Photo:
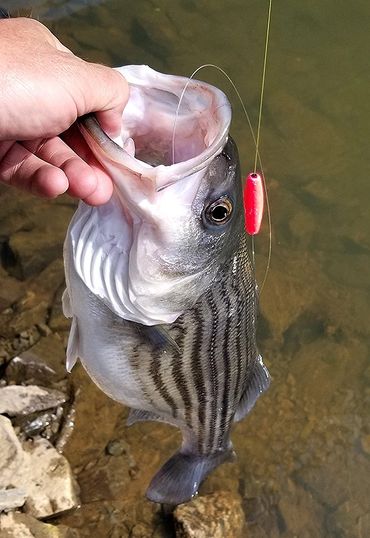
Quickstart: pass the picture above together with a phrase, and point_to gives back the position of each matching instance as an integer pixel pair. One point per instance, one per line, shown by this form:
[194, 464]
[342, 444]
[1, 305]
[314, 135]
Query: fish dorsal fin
[257, 384]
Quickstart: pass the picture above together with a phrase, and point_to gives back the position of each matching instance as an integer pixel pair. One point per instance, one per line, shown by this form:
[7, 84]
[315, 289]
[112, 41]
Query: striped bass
[160, 286]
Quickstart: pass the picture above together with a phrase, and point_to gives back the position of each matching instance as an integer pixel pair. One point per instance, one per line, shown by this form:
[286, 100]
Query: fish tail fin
[180, 477]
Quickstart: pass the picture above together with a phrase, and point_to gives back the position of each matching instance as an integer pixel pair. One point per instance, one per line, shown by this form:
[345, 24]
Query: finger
[104, 189]
[81, 177]
[109, 98]
[21, 168]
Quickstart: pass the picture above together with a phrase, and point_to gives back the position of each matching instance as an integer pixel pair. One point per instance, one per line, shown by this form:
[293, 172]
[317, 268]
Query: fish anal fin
[179, 479]
[257, 384]
[72, 346]
[139, 415]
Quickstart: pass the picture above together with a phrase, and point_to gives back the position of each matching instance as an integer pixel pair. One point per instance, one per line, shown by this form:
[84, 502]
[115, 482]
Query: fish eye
[219, 211]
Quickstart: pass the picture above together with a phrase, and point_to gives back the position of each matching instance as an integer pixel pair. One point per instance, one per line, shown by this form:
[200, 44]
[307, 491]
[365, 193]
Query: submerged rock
[218, 515]
[21, 400]
[17, 525]
[42, 364]
[39, 471]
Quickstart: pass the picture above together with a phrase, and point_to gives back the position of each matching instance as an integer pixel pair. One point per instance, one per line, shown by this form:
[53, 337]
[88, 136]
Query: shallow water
[304, 452]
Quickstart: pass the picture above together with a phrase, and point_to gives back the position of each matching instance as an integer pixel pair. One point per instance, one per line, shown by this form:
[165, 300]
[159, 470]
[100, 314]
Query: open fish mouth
[138, 250]
[171, 127]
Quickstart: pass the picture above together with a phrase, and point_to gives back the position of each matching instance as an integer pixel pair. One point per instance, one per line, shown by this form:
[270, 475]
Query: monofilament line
[263, 84]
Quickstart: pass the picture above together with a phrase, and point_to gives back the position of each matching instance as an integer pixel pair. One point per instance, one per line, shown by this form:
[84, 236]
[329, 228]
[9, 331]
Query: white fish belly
[102, 341]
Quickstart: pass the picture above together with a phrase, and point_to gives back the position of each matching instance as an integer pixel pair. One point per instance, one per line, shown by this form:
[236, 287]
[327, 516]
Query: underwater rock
[42, 364]
[24, 400]
[58, 321]
[95, 419]
[349, 519]
[299, 512]
[37, 469]
[26, 254]
[116, 447]
[217, 515]
[11, 289]
[17, 525]
[365, 444]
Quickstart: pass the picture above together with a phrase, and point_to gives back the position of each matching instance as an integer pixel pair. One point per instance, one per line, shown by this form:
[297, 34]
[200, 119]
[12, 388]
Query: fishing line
[256, 139]
[257, 155]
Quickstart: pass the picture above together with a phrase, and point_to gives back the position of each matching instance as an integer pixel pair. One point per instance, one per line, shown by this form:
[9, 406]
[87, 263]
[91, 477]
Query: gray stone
[12, 498]
[37, 469]
[217, 515]
[17, 525]
[24, 400]
[116, 447]
[45, 424]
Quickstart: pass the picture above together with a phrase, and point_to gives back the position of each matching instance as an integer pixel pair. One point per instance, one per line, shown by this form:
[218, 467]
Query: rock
[95, 419]
[12, 498]
[28, 251]
[42, 364]
[116, 447]
[17, 525]
[301, 513]
[349, 519]
[24, 400]
[218, 515]
[37, 469]
[45, 424]
[365, 444]
[58, 321]
[34, 306]
[11, 290]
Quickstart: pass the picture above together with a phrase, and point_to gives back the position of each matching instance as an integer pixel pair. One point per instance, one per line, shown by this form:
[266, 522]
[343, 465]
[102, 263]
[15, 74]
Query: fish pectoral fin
[72, 347]
[257, 384]
[180, 477]
[159, 337]
[139, 415]
[66, 304]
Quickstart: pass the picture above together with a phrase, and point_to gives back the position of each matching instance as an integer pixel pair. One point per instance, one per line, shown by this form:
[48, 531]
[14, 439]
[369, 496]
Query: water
[304, 452]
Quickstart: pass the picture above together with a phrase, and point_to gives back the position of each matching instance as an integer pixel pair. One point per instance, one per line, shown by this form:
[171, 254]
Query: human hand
[44, 88]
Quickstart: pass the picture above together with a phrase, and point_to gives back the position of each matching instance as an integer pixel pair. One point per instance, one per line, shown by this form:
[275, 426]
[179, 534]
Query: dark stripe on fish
[227, 369]
[181, 381]
[214, 371]
[156, 376]
[197, 374]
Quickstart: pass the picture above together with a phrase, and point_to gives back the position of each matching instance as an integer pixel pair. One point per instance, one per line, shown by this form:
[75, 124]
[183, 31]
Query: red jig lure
[253, 203]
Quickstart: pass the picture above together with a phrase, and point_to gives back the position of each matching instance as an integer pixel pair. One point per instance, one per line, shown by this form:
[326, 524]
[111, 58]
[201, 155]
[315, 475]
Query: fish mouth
[172, 127]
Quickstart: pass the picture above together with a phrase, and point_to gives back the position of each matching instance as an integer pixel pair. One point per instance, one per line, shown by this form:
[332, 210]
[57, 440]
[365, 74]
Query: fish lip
[107, 150]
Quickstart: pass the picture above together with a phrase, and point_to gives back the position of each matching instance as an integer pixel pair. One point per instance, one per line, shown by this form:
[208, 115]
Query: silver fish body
[199, 371]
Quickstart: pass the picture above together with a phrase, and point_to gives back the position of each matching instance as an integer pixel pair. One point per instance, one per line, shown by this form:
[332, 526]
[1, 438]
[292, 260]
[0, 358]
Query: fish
[160, 285]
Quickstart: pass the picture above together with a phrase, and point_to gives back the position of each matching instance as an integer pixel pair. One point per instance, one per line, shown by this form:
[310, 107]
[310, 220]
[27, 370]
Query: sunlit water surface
[304, 452]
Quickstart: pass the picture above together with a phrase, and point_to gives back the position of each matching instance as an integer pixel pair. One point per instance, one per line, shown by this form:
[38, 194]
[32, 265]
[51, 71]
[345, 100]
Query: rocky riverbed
[71, 468]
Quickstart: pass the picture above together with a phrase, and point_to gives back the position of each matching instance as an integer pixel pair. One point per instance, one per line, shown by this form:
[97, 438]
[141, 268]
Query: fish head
[176, 214]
